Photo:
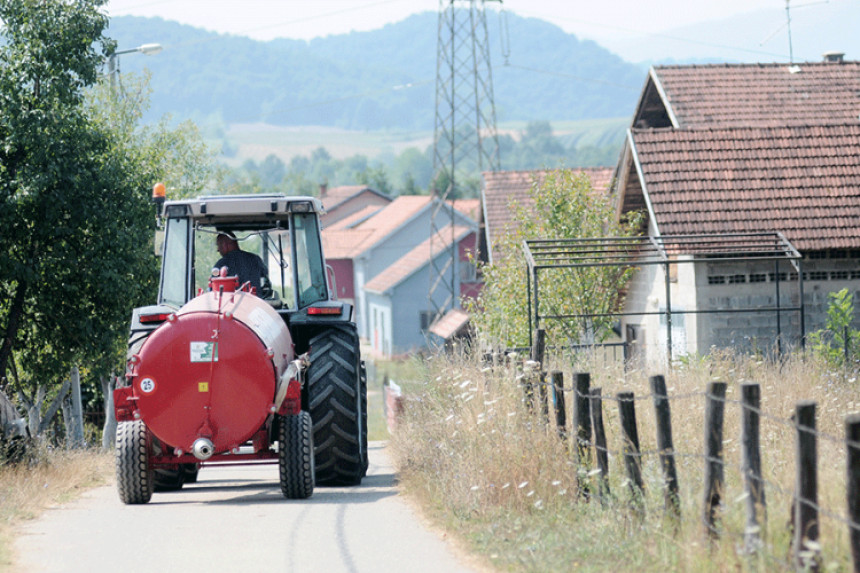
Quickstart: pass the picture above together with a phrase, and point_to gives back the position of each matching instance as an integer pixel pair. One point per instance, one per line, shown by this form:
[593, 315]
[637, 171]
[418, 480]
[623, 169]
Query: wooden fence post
[756, 505]
[557, 378]
[543, 397]
[852, 437]
[632, 459]
[714, 472]
[583, 428]
[537, 356]
[601, 452]
[665, 445]
[806, 489]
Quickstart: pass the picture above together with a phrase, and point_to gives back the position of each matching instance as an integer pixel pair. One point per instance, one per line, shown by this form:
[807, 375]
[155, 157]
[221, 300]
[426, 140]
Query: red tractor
[223, 372]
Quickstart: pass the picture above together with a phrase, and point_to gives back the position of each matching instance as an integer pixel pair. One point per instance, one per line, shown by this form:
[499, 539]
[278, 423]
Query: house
[341, 202]
[374, 239]
[501, 188]
[397, 298]
[721, 150]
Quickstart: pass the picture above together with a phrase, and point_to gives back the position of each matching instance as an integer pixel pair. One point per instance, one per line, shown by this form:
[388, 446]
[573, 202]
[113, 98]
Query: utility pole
[465, 138]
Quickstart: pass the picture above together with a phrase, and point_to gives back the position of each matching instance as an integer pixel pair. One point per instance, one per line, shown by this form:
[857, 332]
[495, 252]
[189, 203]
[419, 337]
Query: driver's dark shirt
[247, 266]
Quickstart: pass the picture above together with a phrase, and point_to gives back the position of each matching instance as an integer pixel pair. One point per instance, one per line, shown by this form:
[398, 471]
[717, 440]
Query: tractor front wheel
[296, 455]
[135, 478]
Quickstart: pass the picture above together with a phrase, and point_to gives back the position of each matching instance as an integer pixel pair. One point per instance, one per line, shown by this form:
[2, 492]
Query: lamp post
[113, 60]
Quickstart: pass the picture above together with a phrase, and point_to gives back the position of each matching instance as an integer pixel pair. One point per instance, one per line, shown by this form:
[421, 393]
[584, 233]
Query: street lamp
[113, 61]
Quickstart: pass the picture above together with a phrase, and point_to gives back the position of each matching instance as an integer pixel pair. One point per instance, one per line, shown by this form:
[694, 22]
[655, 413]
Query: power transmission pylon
[465, 141]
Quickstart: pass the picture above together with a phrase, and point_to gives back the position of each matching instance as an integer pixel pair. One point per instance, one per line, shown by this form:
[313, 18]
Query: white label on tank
[147, 385]
[265, 325]
[204, 352]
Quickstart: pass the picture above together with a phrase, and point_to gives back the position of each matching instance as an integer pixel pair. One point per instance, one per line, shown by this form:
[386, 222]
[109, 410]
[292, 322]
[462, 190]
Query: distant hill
[382, 79]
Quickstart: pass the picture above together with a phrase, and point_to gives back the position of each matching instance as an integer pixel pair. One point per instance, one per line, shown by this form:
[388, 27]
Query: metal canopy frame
[542, 254]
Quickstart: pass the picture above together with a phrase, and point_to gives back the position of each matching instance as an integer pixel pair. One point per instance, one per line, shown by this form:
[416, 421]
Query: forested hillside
[383, 79]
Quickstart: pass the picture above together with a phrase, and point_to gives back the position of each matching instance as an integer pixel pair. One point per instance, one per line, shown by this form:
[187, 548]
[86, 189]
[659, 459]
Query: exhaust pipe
[203, 448]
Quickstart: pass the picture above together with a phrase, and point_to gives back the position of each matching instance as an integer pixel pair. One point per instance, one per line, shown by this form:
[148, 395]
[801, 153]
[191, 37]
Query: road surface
[235, 519]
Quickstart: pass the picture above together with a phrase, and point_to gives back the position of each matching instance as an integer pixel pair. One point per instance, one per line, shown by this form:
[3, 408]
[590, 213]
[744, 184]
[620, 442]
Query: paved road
[234, 520]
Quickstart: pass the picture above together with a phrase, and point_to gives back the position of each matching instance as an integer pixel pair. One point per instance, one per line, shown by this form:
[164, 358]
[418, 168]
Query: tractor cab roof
[243, 211]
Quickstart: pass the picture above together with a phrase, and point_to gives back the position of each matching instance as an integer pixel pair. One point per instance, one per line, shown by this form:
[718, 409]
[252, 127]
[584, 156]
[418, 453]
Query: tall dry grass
[492, 470]
[50, 477]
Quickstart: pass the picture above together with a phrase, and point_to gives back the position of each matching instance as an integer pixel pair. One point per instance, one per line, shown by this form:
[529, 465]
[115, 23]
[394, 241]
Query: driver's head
[226, 242]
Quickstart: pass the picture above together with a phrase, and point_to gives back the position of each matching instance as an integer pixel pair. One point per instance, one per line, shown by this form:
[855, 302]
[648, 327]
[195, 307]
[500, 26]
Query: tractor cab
[282, 231]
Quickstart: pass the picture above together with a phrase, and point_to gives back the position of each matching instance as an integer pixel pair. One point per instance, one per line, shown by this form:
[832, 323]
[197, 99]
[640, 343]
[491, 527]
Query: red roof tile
[501, 188]
[337, 195]
[349, 243]
[761, 94]
[803, 181]
[450, 324]
[406, 265]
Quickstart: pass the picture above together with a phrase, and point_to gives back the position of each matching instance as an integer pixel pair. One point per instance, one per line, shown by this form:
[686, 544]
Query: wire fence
[547, 391]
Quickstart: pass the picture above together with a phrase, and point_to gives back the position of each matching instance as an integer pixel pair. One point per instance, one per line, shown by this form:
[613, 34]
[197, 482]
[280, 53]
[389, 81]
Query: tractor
[224, 372]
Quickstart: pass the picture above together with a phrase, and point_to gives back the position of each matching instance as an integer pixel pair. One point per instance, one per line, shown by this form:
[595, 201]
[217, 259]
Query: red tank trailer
[212, 378]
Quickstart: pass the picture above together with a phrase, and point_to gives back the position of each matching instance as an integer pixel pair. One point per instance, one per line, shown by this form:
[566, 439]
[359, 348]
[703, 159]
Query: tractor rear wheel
[335, 400]
[296, 455]
[364, 461]
[135, 478]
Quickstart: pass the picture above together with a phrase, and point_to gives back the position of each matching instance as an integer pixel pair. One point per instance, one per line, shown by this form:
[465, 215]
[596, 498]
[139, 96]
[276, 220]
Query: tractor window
[309, 263]
[174, 269]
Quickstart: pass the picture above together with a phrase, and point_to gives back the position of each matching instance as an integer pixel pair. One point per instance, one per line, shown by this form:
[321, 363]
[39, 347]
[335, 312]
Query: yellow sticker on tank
[203, 386]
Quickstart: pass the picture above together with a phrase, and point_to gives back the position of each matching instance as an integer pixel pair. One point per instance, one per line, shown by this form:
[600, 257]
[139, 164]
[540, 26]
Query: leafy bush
[566, 206]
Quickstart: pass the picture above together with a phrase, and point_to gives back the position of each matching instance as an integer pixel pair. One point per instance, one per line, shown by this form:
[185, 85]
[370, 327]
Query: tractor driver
[247, 266]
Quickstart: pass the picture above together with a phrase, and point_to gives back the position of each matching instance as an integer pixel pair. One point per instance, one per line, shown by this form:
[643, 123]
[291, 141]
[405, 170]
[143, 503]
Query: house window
[716, 280]
[737, 279]
[839, 275]
[426, 318]
[779, 277]
[838, 254]
[818, 255]
[758, 278]
[817, 275]
[855, 274]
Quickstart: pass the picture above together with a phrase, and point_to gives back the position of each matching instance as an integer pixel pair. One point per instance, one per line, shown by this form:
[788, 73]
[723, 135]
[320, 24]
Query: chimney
[323, 189]
[834, 57]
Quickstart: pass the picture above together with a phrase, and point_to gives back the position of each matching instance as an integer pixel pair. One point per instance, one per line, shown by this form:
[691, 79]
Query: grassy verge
[56, 477]
[495, 474]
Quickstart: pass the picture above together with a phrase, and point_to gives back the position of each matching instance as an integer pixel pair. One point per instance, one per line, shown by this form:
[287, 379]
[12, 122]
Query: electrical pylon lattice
[465, 137]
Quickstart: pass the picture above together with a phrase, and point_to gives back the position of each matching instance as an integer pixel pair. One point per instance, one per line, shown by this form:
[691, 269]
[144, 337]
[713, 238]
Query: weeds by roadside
[52, 477]
[491, 470]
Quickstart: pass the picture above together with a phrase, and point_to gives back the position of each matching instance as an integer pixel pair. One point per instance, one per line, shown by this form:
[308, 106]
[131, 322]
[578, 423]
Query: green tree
[75, 177]
[566, 206]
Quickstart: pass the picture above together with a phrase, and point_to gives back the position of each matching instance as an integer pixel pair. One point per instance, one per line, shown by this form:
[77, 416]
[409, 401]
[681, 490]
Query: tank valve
[203, 448]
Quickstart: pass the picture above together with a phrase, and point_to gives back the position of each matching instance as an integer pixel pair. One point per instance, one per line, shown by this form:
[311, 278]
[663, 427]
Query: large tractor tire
[296, 455]
[335, 401]
[363, 379]
[135, 478]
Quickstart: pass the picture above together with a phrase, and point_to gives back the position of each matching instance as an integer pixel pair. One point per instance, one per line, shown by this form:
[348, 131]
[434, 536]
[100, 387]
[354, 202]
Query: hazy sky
[305, 19]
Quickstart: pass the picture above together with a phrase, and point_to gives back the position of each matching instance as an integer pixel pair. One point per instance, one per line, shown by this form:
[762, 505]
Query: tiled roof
[450, 324]
[337, 195]
[469, 207]
[761, 94]
[349, 243]
[803, 181]
[412, 261]
[356, 218]
[501, 188]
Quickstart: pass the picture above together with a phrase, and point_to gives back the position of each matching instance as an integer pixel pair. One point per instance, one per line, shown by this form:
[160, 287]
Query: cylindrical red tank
[210, 372]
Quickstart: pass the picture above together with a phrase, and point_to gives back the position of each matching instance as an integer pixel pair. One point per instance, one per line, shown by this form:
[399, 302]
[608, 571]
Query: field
[256, 141]
[495, 472]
